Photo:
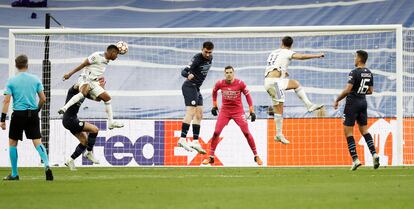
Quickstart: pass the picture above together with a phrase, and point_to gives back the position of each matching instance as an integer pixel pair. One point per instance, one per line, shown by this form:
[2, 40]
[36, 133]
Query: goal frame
[398, 29]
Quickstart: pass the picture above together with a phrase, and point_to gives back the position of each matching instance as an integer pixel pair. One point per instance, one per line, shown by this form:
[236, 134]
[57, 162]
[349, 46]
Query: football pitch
[210, 187]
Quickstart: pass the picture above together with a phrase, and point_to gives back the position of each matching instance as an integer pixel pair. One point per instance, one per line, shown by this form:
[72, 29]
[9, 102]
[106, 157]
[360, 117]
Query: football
[122, 46]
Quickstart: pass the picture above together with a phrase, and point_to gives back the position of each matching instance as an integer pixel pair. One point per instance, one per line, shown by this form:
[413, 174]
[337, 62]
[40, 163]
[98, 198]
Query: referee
[23, 88]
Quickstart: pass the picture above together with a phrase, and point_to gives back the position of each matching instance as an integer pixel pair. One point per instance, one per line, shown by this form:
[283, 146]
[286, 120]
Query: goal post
[146, 88]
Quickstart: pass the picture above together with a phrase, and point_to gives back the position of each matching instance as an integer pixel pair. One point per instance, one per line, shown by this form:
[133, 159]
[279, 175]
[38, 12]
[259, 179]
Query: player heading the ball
[88, 83]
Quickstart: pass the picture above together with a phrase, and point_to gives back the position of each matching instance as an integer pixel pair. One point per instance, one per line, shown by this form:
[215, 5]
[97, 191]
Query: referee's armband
[3, 117]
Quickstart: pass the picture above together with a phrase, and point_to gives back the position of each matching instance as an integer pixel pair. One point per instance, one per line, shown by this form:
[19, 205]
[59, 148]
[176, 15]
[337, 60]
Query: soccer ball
[122, 46]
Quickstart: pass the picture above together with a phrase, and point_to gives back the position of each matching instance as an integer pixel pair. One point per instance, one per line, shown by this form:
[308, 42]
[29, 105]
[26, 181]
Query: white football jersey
[279, 59]
[97, 66]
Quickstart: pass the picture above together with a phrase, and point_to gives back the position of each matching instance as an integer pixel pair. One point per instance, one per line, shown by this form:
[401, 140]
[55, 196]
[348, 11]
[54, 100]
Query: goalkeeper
[232, 108]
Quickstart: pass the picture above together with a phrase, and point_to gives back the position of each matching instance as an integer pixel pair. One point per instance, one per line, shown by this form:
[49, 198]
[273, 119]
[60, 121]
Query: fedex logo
[120, 150]
[145, 143]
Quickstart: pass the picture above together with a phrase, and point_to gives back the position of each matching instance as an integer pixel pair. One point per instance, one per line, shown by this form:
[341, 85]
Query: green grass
[217, 188]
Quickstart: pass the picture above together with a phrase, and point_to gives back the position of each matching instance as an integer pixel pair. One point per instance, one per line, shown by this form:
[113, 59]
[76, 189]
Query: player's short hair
[287, 41]
[363, 55]
[21, 61]
[229, 67]
[112, 47]
[208, 45]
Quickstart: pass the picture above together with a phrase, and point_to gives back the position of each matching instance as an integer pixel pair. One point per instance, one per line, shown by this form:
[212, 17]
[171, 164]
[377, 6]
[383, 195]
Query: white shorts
[276, 87]
[95, 90]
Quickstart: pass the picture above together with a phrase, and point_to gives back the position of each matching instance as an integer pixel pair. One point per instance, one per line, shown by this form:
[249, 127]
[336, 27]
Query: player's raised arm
[80, 67]
[299, 56]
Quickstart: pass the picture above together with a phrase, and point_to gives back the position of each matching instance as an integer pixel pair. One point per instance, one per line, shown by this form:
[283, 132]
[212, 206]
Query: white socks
[302, 95]
[278, 122]
[75, 99]
[108, 109]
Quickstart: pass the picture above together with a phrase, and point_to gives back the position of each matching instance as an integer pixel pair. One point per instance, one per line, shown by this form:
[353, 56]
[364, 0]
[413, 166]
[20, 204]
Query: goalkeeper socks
[43, 155]
[214, 142]
[352, 147]
[91, 141]
[302, 95]
[13, 160]
[250, 140]
[184, 130]
[78, 151]
[196, 131]
[108, 110]
[370, 143]
[278, 123]
[75, 99]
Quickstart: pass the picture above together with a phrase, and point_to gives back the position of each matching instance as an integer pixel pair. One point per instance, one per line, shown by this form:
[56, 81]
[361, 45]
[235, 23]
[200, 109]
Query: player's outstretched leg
[300, 92]
[84, 90]
[75, 99]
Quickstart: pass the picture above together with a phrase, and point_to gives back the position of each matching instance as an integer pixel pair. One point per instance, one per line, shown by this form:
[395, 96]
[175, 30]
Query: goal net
[145, 85]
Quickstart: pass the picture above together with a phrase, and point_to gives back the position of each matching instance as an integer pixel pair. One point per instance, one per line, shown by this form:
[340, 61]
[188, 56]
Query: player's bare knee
[13, 142]
[293, 84]
[95, 130]
[105, 97]
[278, 109]
[348, 131]
[363, 129]
[198, 116]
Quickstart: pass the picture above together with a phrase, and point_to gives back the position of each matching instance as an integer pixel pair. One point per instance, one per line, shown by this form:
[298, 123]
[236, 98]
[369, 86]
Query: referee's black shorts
[27, 121]
[356, 110]
[192, 95]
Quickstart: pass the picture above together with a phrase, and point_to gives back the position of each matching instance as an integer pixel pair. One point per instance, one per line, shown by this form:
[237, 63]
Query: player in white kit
[276, 82]
[88, 83]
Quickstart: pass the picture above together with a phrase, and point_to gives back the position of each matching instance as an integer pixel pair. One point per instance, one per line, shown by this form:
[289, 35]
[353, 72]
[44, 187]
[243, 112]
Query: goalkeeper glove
[214, 111]
[252, 116]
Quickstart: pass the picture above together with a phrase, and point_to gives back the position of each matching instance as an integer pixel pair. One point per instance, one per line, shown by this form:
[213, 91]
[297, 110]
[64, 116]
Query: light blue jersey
[24, 88]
